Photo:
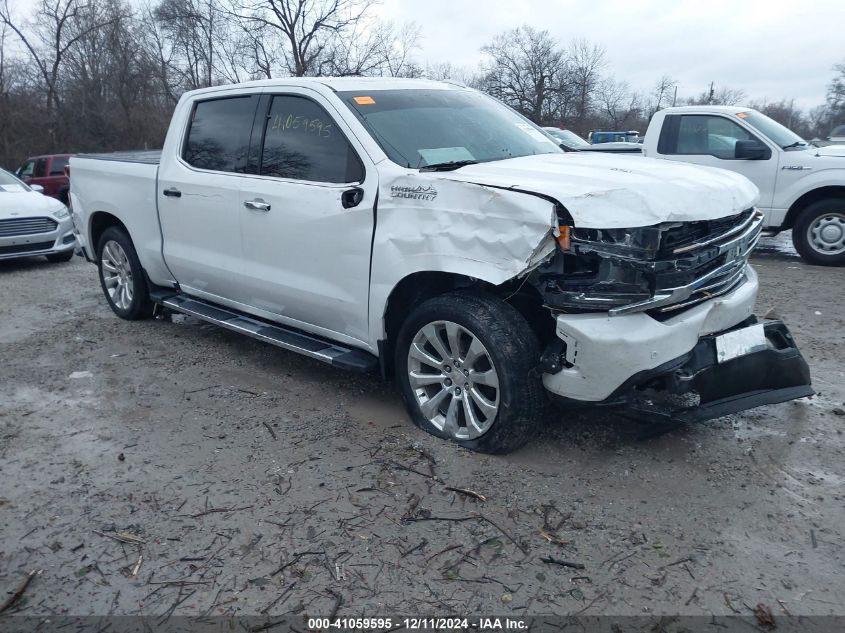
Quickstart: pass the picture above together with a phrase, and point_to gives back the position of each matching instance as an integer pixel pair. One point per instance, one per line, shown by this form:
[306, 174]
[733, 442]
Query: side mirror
[37, 188]
[752, 149]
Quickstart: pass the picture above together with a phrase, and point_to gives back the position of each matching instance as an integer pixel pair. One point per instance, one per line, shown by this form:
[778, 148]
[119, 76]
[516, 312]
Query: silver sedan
[33, 224]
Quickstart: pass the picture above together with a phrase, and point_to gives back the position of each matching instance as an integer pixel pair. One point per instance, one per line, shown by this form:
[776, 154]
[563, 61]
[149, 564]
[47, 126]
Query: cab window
[218, 137]
[713, 135]
[57, 166]
[302, 142]
[26, 169]
[40, 168]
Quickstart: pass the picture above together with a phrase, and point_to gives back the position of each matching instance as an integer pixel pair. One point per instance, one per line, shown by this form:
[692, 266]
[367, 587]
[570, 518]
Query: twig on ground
[521, 547]
[677, 562]
[562, 563]
[420, 545]
[16, 595]
[467, 492]
[216, 510]
[270, 428]
[730, 604]
[122, 537]
[280, 596]
[443, 551]
[338, 601]
[294, 560]
[551, 538]
[416, 472]
[137, 565]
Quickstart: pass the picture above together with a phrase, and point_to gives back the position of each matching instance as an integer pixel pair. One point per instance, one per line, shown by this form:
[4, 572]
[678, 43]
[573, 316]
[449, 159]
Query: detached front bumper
[611, 359]
[776, 373]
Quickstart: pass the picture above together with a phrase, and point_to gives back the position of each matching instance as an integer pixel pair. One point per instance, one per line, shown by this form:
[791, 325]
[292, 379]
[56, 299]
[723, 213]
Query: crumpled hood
[18, 204]
[612, 191]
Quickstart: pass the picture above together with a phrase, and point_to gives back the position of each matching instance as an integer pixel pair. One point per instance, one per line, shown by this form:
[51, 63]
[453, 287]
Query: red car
[49, 172]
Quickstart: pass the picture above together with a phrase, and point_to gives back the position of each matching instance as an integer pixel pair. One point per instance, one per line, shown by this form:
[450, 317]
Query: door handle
[173, 192]
[257, 205]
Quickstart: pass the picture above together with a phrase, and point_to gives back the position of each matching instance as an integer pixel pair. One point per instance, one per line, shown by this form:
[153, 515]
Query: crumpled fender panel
[426, 223]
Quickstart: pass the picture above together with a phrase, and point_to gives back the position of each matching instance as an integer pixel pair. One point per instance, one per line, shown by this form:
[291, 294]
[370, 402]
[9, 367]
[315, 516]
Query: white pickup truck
[802, 187]
[427, 229]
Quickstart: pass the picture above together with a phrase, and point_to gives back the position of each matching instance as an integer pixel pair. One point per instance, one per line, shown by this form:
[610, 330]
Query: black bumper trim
[773, 375]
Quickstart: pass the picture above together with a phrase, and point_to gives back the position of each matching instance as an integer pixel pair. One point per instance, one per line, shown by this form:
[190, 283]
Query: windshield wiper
[795, 144]
[448, 166]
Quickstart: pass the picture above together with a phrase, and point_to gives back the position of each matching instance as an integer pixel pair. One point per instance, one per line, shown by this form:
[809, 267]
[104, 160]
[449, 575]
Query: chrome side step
[289, 339]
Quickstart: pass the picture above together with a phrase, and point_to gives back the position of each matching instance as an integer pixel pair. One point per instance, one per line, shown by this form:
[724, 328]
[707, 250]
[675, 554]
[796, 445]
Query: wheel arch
[808, 198]
[410, 292]
[417, 287]
[97, 225]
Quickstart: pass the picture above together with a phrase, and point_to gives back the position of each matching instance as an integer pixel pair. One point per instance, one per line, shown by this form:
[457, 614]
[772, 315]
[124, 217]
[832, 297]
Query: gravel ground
[172, 467]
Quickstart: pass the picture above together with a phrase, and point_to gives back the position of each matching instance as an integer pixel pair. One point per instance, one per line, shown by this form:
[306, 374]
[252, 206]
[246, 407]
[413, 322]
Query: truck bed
[123, 185]
[146, 156]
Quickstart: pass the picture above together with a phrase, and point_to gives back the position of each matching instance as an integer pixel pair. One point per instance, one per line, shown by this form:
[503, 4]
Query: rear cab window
[57, 165]
[218, 135]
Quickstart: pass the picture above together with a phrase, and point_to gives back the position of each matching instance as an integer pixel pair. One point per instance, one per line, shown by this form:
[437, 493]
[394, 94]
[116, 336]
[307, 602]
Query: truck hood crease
[602, 191]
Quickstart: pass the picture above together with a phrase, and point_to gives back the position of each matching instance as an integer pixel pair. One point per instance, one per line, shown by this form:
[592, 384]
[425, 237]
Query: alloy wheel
[454, 380]
[117, 275]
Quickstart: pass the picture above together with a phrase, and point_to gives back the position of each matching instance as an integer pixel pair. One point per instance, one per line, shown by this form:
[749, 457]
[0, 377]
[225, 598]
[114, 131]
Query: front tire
[121, 276]
[819, 233]
[466, 367]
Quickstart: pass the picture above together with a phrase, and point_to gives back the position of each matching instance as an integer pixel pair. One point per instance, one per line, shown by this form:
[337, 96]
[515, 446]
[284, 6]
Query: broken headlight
[602, 268]
[641, 243]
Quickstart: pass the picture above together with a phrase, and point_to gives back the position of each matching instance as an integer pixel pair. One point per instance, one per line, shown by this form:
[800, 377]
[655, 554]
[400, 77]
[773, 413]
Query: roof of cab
[706, 108]
[340, 84]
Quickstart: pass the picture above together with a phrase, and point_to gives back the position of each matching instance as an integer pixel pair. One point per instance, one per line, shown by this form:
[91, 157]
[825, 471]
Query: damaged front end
[635, 316]
[661, 268]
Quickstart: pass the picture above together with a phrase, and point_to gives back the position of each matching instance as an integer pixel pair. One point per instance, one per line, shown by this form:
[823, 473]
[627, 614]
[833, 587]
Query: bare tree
[308, 28]
[586, 62]
[836, 96]
[373, 48]
[662, 94]
[617, 103]
[524, 70]
[55, 29]
[721, 96]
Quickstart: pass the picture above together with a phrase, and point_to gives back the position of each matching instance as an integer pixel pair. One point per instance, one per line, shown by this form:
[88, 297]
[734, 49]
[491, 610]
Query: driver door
[708, 139]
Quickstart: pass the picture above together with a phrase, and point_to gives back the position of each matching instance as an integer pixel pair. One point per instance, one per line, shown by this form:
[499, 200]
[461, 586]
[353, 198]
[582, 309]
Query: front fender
[429, 224]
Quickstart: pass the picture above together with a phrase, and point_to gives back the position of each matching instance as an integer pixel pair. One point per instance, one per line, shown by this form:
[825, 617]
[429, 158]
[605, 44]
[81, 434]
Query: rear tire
[57, 258]
[121, 276]
[473, 361]
[819, 233]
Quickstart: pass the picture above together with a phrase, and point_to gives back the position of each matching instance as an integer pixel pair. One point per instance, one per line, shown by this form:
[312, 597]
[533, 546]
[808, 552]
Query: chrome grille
[26, 226]
[729, 249]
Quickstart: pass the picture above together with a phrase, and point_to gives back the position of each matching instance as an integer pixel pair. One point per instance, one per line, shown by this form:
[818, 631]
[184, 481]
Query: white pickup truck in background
[802, 187]
[426, 229]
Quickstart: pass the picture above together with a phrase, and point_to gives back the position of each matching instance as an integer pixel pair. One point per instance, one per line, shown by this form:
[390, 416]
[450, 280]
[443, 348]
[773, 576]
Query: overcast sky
[769, 48]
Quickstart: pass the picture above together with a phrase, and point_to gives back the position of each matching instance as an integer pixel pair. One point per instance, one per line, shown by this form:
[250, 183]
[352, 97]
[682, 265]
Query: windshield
[779, 134]
[567, 137]
[9, 183]
[416, 128]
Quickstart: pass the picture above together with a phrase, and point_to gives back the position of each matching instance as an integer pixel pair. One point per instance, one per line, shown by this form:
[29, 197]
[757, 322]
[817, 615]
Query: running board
[289, 339]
